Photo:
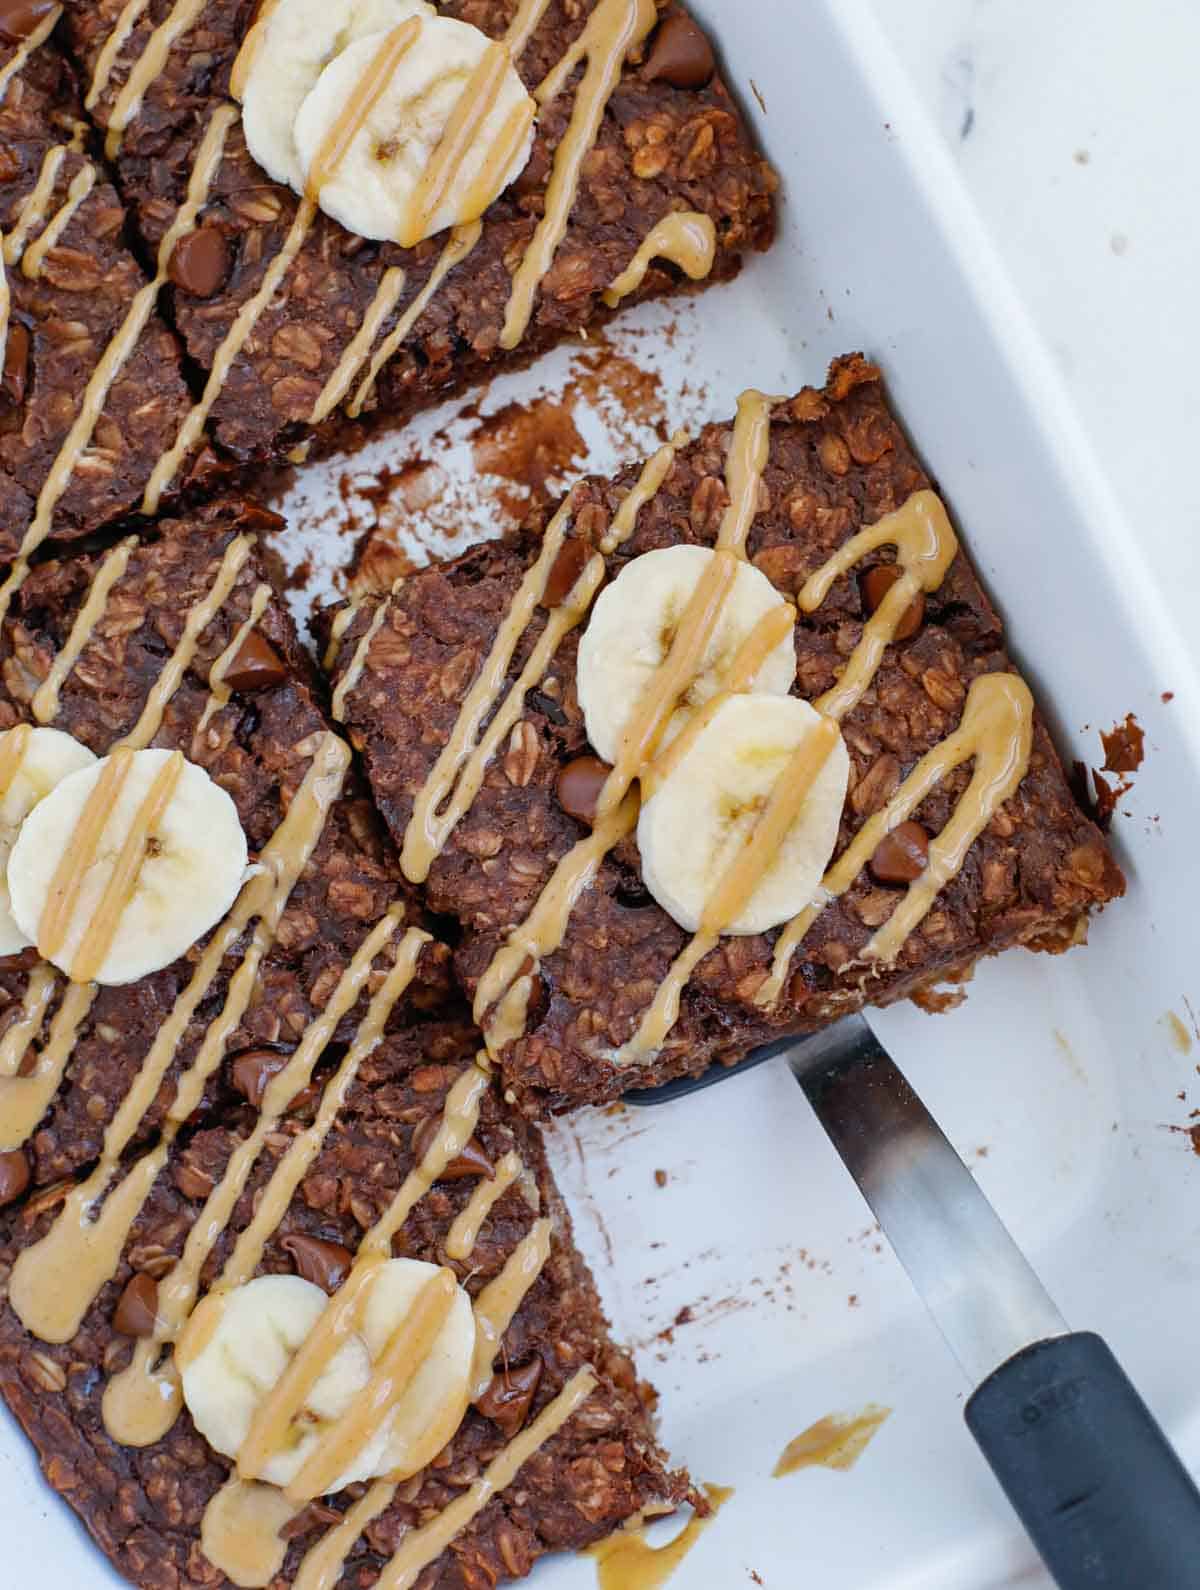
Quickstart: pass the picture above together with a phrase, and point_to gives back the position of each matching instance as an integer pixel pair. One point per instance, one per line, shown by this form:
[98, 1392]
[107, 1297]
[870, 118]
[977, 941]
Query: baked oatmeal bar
[958, 837]
[293, 1097]
[314, 322]
[91, 391]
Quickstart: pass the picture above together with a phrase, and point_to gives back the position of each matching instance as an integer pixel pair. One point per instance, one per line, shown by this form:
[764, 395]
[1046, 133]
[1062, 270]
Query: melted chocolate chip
[20, 18]
[137, 1312]
[326, 1264]
[901, 855]
[535, 171]
[579, 786]
[16, 364]
[200, 262]
[256, 665]
[680, 55]
[253, 1070]
[509, 1396]
[564, 571]
[875, 586]
[14, 1175]
[472, 1161]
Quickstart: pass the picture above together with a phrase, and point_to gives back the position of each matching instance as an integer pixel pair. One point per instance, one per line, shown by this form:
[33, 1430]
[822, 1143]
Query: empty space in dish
[753, 1283]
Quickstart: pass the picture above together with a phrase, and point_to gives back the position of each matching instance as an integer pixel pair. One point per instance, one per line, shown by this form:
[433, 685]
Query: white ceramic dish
[1067, 1072]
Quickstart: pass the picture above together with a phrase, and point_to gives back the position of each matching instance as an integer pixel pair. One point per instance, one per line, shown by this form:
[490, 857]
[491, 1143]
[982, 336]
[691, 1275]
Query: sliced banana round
[375, 188]
[244, 1340]
[130, 870]
[34, 762]
[633, 623]
[237, 1345]
[299, 38]
[432, 1407]
[699, 819]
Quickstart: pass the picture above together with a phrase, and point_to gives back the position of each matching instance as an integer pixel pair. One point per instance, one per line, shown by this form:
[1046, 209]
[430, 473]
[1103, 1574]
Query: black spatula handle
[1104, 1497]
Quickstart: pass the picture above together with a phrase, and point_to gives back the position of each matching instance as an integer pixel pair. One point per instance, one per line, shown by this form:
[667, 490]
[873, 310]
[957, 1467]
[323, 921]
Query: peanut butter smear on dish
[626, 1560]
[834, 1442]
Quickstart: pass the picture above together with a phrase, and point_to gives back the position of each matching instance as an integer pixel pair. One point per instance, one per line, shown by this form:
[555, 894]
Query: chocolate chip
[680, 55]
[472, 1161]
[901, 855]
[875, 586]
[255, 666]
[564, 571]
[199, 262]
[16, 364]
[509, 1395]
[579, 786]
[14, 1175]
[137, 1312]
[252, 1072]
[19, 18]
[326, 1264]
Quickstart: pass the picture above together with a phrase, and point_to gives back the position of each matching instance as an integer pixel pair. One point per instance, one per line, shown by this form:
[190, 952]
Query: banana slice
[125, 864]
[299, 38]
[33, 762]
[248, 1337]
[375, 188]
[238, 1344]
[696, 823]
[631, 628]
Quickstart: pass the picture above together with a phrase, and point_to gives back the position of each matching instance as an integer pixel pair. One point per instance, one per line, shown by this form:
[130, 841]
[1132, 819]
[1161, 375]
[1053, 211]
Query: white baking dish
[1066, 1071]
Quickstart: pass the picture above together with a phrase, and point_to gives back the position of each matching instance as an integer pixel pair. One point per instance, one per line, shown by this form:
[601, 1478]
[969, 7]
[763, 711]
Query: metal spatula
[1091, 1475]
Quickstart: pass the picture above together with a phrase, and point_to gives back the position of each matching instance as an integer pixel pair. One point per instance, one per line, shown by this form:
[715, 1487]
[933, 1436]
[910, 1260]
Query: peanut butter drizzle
[459, 136]
[129, 18]
[749, 450]
[520, 30]
[500, 153]
[737, 885]
[251, 45]
[835, 1442]
[13, 746]
[613, 29]
[122, 880]
[626, 1561]
[182, 16]
[199, 617]
[39, 992]
[46, 698]
[80, 856]
[239, 1533]
[428, 829]
[367, 93]
[997, 733]
[218, 691]
[354, 668]
[112, 361]
[33, 207]
[391, 1375]
[687, 238]
[80, 186]
[141, 1403]
[925, 546]
[387, 296]
[458, 245]
[422, 1546]
[322, 1567]
[235, 339]
[24, 1100]
[16, 61]
[648, 485]
[500, 1299]
[55, 1280]
[464, 1233]
[337, 631]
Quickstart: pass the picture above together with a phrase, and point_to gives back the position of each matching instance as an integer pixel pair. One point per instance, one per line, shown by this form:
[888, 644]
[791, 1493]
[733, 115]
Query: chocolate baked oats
[289, 1295]
[91, 391]
[783, 865]
[614, 164]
